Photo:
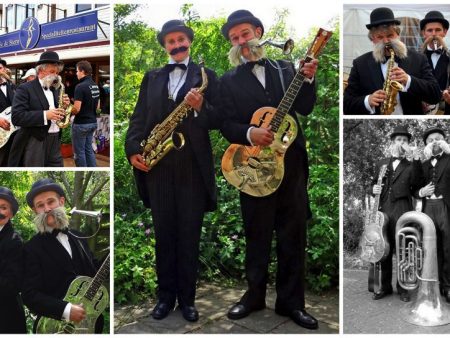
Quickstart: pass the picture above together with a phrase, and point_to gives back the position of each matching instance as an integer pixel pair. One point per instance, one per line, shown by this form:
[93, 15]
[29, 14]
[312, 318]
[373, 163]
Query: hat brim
[408, 135]
[383, 22]
[48, 187]
[40, 62]
[431, 131]
[247, 19]
[424, 22]
[184, 29]
[12, 201]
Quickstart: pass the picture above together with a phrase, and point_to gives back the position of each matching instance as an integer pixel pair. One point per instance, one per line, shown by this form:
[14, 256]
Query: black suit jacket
[6, 101]
[403, 181]
[28, 113]
[12, 316]
[49, 270]
[441, 75]
[150, 110]
[443, 176]
[366, 77]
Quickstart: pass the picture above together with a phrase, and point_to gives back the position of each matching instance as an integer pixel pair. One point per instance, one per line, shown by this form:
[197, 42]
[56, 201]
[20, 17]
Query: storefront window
[21, 12]
[82, 8]
[30, 10]
[10, 18]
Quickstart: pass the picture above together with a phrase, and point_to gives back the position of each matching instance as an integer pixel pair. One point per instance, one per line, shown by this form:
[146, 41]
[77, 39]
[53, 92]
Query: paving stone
[222, 326]
[290, 327]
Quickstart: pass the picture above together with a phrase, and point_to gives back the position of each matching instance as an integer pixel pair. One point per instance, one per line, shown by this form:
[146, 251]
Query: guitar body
[6, 134]
[374, 247]
[258, 171]
[76, 295]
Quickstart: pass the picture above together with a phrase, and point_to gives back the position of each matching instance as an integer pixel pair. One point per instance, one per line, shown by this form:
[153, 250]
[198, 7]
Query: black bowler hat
[433, 16]
[7, 194]
[174, 26]
[49, 57]
[382, 16]
[401, 130]
[238, 17]
[431, 131]
[3, 62]
[45, 184]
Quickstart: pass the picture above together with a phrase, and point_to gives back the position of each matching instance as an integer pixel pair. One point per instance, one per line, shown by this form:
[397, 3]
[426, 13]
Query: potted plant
[66, 142]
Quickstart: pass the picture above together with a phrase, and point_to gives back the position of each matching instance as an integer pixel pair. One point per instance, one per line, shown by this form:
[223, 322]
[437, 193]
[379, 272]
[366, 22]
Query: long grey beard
[235, 55]
[436, 148]
[428, 41]
[49, 80]
[397, 150]
[60, 216]
[379, 50]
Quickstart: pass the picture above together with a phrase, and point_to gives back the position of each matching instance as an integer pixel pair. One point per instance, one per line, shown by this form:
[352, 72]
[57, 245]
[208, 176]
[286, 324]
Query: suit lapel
[10, 92]
[401, 166]
[36, 85]
[376, 74]
[249, 83]
[55, 250]
[6, 230]
[443, 163]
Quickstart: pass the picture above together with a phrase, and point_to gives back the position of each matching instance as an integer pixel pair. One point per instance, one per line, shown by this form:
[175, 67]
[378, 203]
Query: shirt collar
[185, 61]
[2, 226]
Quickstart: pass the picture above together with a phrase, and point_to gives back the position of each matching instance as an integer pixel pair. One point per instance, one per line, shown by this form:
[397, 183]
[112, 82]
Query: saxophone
[391, 88]
[65, 121]
[163, 137]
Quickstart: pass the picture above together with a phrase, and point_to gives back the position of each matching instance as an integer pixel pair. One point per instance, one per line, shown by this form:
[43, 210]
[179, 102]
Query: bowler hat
[7, 194]
[431, 131]
[49, 57]
[382, 16]
[174, 26]
[3, 62]
[433, 16]
[43, 185]
[238, 17]
[401, 130]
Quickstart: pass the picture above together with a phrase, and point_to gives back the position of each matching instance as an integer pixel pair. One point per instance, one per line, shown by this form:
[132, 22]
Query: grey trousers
[46, 153]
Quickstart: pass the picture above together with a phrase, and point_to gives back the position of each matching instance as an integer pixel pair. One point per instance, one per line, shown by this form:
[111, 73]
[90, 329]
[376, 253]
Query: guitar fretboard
[100, 277]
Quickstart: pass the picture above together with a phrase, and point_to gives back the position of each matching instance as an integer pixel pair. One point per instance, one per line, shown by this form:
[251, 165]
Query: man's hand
[4, 124]
[399, 75]
[377, 98]
[77, 313]
[137, 161]
[194, 99]
[427, 190]
[446, 96]
[54, 114]
[377, 189]
[309, 69]
[261, 136]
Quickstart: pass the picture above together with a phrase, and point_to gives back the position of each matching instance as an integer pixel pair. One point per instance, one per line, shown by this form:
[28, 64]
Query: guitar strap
[82, 251]
[280, 74]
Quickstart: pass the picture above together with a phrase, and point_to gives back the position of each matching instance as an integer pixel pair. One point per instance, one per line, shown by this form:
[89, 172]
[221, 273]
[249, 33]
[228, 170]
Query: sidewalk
[364, 315]
[213, 302]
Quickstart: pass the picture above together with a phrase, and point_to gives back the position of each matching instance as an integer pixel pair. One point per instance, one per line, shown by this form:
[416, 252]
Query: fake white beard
[397, 150]
[235, 56]
[440, 42]
[49, 80]
[59, 214]
[436, 148]
[379, 50]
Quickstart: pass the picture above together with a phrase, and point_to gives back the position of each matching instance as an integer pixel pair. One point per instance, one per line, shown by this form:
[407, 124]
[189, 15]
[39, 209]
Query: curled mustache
[379, 50]
[178, 50]
[235, 53]
[60, 216]
[397, 150]
[436, 148]
[429, 42]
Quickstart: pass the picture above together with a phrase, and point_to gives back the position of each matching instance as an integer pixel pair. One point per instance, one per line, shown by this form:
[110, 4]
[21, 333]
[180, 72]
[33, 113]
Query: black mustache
[178, 50]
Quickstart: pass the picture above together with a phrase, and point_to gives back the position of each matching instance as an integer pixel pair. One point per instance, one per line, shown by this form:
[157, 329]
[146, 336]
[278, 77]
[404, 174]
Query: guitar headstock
[383, 170]
[319, 42]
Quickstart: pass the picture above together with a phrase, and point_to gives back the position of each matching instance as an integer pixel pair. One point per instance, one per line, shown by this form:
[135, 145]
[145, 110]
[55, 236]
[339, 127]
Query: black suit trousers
[284, 211]
[179, 199]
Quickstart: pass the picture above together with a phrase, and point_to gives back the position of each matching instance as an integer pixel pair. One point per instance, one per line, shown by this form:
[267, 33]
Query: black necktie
[55, 232]
[171, 66]
[430, 52]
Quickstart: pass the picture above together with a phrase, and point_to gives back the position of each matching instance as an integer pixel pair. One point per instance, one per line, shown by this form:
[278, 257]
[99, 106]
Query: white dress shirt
[395, 164]
[177, 78]
[64, 240]
[3, 88]
[51, 103]
[434, 57]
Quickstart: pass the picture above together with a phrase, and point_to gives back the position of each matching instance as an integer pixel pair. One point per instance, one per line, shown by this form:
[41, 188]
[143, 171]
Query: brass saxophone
[391, 88]
[162, 138]
[65, 121]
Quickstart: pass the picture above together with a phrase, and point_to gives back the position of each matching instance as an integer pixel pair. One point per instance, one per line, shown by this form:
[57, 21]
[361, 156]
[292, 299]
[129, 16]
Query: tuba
[417, 269]
[65, 121]
[163, 137]
[391, 88]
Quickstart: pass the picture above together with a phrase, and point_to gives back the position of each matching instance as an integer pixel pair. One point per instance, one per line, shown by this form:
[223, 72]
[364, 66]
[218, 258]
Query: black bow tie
[397, 158]
[55, 232]
[436, 157]
[171, 66]
[45, 87]
[437, 51]
[3, 84]
[252, 64]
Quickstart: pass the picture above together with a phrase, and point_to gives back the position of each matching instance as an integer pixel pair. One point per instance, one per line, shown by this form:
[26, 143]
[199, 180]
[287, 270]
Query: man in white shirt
[36, 110]
[54, 257]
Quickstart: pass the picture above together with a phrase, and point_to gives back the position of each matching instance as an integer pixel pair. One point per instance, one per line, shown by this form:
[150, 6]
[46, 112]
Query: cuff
[310, 81]
[248, 135]
[420, 194]
[408, 84]
[367, 105]
[45, 118]
[66, 313]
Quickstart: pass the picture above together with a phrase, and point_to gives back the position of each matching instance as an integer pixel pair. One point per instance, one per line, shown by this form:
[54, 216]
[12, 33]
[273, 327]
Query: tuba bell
[417, 269]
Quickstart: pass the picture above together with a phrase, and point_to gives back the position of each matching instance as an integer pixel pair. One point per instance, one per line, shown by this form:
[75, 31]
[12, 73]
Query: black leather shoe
[303, 318]
[381, 293]
[189, 313]
[161, 310]
[404, 297]
[240, 310]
